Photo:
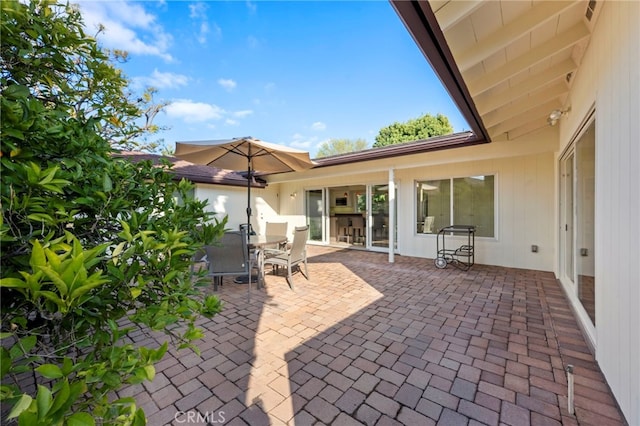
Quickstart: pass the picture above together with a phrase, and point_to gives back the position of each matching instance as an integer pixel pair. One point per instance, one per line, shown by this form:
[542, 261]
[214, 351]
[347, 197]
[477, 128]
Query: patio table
[258, 243]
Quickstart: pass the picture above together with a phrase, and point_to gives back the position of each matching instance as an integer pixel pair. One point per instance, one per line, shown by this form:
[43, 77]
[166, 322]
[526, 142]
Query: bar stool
[357, 227]
[344, 229]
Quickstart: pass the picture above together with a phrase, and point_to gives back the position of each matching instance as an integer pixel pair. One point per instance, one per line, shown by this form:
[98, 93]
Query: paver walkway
[368, 342]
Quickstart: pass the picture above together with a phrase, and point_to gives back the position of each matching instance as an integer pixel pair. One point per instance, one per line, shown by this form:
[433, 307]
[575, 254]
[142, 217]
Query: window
[457, 201]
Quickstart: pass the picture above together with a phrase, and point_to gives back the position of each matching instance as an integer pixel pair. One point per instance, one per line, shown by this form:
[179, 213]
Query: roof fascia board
[456, 140]
[421, 22]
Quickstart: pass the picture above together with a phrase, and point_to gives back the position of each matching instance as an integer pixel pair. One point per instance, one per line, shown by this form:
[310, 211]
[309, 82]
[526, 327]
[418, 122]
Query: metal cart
[462, 257]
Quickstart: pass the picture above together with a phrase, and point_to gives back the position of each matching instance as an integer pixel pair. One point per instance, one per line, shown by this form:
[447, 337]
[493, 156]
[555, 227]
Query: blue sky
[292, 73]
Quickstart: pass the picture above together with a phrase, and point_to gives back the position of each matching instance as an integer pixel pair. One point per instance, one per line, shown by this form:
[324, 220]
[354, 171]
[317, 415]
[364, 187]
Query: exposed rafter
[536, 55]
[490, 101]
[523, 105]
[455, 11]
[506, 64]
[526, 23]
[540, 111]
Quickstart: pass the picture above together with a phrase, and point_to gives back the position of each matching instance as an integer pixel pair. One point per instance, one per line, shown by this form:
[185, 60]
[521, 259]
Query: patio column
[392, 214]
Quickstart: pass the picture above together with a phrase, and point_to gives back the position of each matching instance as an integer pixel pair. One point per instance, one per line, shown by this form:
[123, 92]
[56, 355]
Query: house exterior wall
[609, 78]
[232, 202]
[525, 194]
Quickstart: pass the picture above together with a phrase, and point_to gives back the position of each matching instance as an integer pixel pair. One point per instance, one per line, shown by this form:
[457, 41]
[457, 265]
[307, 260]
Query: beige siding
[524, 186]
[232, 201]
[609, 78]
[524, 197]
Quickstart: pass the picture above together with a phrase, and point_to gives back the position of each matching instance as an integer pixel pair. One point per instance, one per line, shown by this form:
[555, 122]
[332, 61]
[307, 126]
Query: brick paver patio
[368, 342]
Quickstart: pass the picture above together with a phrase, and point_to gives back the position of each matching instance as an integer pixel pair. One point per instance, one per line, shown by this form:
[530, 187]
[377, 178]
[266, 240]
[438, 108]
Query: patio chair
[294, 256]
[247, 228]
[428, 225]
[277, 228]
[229, 258]
[199, 261]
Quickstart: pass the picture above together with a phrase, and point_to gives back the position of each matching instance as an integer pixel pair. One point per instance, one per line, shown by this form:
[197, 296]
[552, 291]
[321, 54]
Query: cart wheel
[441, 262]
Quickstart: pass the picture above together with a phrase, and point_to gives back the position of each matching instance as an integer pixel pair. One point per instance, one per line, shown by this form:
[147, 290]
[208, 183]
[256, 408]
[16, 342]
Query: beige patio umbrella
[246, 152]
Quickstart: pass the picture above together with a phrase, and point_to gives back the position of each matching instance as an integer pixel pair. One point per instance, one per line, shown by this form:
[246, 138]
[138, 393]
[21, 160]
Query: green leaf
[111, 379]
[135, 292]
[139, 419]
[50, 371]
[107, 185]
[23, 403]
[62, 396]
[28, 343]
[43, 400]
[54, 276]
[13, 283]
[151, 371]
[67, 366]
[5, 362]
[93, 283]
[38, 258]
[49, 295]
[41, 217]
[15, 91]
[81, 419]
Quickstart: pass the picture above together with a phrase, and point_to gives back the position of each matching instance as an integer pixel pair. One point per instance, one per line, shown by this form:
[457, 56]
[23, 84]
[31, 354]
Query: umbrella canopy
[244, 153]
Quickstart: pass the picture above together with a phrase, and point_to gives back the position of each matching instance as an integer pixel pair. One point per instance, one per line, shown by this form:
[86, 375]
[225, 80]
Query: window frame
[451, 179]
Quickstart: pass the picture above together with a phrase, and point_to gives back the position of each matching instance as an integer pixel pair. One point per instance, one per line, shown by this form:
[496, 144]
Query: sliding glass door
[379, 223]
[314, 200]
[354, 216]
[577, 220]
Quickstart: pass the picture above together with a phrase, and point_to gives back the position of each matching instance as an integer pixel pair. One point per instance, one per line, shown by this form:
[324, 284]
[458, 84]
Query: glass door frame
[569, 252]
[390, 227]
[326, 216]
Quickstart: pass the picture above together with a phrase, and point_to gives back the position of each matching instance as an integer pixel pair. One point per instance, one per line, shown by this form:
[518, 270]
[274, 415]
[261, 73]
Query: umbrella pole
[249, 198]
[249, 222]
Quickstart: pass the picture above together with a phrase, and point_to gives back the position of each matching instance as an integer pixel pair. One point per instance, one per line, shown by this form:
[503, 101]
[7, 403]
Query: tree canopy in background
[93, 248]
[69, 69]
[415, 129]
[341, 146]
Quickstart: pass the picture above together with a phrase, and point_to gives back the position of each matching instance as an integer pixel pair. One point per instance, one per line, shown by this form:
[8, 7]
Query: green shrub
[93, 248]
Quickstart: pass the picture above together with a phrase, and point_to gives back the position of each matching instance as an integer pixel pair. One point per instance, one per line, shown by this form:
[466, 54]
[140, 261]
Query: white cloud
[242, 114]
[127, 26]
[227, 84]
[162, 80]
[198, 12]
[192, 112]
[302, 142]
[269, 87]
[217, 31]
[318, 125]
[204, 30]
[230, 122]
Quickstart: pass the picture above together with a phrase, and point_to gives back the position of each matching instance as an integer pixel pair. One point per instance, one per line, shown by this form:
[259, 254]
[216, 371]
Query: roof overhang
[423, 26]
[508, 65]
[437, 143]
[195, 173]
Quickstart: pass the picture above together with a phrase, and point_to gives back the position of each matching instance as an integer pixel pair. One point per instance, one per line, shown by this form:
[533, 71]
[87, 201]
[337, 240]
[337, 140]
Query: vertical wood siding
[609, 76]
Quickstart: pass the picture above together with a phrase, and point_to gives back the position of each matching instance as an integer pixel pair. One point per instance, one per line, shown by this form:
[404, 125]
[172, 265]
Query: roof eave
[456, 140]
[423, 26]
